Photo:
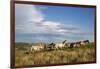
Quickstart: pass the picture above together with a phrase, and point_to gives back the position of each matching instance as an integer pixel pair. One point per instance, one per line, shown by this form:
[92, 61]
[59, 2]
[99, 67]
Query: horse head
[64, 41]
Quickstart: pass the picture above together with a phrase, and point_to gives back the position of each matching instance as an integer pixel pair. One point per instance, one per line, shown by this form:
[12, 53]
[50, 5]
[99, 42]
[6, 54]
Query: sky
[45, 23]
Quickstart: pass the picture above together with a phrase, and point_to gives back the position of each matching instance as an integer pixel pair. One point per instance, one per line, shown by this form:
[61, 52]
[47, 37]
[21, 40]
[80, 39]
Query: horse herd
[51, 46]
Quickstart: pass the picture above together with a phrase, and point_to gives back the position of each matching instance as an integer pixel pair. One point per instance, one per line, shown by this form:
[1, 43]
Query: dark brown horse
[86, 41]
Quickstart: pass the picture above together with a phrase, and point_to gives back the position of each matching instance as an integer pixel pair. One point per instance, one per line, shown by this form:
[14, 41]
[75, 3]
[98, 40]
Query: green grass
[66, 55]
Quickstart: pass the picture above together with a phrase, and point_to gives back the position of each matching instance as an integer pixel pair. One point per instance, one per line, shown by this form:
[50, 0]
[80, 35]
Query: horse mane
[86, 41]
[64, 41]
[52, 43]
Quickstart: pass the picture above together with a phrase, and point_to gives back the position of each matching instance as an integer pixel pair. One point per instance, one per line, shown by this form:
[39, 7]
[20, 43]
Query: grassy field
[66, 55]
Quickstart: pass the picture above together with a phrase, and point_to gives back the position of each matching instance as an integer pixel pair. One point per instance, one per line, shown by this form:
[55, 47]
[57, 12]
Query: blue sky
[42, 23]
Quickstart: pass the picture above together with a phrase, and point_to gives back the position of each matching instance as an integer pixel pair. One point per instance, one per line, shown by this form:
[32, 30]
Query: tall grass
[66, 55]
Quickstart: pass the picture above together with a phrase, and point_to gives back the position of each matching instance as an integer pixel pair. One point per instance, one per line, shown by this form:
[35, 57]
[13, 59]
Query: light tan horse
[37, 47]
[60, 45]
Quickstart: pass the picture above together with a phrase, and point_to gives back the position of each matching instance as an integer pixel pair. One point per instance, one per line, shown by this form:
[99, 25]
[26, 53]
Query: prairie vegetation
[65, 55]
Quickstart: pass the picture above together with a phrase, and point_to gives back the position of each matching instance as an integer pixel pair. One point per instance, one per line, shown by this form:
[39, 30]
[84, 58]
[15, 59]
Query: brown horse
[85, 42]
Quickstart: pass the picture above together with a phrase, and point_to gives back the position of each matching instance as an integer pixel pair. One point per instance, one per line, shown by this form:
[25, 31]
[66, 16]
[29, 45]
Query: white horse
[37, 47]
[60, 45]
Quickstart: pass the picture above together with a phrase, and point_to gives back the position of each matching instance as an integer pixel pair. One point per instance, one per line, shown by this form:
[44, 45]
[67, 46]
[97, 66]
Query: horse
[37, 47]
[50, 46]
[60, 45]
[78, 44]
[85, 42]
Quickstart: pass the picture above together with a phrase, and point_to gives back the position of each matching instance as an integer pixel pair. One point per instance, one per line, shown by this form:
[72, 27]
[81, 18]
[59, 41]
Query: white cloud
[51, 26]
[26, 16]
[29, 12]
[29, 19]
